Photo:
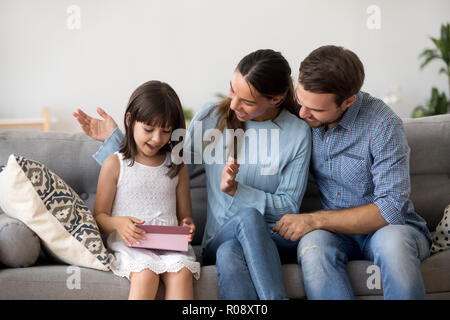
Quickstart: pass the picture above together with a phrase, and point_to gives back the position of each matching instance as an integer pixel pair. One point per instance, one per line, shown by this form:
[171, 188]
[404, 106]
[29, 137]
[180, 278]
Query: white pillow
[442, 234]
[32, 193]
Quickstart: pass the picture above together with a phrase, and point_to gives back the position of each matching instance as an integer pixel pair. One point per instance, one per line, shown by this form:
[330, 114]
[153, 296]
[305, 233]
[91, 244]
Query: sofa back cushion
[70, 156]
[67, 155]
[429, 140]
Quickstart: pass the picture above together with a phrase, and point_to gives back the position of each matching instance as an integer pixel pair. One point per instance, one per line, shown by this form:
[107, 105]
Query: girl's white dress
[147, 193]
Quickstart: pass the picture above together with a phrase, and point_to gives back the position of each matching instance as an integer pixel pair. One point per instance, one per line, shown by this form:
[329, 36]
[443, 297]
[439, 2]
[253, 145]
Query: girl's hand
[96, 128]
[188, 222]
[128, 231]
[228, 183]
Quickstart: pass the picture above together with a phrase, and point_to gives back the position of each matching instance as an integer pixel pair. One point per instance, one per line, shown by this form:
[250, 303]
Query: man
[360, 160]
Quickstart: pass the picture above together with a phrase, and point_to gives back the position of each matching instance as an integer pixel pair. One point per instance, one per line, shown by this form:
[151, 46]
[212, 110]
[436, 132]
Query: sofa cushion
[429, 139]
[436, 272]
[19, 245]
[68, 282]
[441, 236]
[38, 197]
[58, 282]
[198, 196]
[69, 155]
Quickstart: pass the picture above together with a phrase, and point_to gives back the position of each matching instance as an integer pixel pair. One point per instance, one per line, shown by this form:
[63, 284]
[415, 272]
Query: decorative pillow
[32, 193]
[19, 246]
[442, 234]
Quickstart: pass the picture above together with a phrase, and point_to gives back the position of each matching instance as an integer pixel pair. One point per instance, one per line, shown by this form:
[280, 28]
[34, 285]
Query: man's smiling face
[320, 109]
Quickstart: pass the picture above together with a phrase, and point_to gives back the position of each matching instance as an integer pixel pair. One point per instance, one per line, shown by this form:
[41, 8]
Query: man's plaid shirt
[365, 159]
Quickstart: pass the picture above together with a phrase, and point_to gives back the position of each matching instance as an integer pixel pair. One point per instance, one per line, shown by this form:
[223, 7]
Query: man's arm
[359, 220]
[390, 171]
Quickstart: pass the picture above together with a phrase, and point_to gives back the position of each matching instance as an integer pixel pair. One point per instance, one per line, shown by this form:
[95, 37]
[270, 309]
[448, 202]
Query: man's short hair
[332, 69]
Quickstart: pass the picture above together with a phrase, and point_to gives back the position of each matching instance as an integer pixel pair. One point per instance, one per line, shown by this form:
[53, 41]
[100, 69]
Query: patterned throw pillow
[442, 234]
[32, 193]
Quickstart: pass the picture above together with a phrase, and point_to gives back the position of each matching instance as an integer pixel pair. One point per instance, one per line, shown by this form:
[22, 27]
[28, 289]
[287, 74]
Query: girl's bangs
[157, 117]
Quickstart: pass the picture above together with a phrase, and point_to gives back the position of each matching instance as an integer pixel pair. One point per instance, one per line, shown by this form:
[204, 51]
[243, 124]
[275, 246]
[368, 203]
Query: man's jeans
[397, 249]
[247, 259]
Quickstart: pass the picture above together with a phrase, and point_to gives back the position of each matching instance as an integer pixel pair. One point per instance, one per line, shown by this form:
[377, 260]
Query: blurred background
[85, 54]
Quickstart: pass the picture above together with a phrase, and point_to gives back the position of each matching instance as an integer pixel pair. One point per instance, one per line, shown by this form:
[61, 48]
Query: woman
[244, 201]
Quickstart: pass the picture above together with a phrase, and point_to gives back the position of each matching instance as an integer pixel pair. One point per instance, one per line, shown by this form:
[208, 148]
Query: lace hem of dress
[124, 271]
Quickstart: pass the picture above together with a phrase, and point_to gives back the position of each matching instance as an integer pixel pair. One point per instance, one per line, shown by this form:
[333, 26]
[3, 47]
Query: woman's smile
[241, 115]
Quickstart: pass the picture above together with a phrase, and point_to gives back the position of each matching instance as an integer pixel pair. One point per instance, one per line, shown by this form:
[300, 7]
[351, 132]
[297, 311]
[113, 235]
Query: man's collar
[350, 114]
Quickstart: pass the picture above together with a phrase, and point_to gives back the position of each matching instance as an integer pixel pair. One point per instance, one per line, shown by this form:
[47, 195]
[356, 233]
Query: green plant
[441, 52]
[220, 95]
[188, 114]
[437, 105]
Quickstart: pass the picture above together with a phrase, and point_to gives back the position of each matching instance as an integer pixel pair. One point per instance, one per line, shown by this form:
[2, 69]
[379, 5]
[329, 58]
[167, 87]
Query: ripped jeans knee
[313, 240]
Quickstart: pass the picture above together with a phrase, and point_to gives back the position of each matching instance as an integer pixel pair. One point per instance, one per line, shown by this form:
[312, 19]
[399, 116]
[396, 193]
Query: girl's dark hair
[332, 69]
[269, 73]
[154, 103]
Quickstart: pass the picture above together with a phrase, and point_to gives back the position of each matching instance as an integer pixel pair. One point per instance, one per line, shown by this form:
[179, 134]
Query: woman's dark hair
[332, 69]
[269, 73]
[154, 103]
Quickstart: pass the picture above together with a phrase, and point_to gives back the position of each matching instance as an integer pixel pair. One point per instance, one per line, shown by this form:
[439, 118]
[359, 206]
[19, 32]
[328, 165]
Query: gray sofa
[69, 156]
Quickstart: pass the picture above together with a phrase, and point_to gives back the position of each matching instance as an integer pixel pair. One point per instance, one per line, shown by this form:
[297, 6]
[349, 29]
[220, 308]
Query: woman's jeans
[247, 259]
[396, 249]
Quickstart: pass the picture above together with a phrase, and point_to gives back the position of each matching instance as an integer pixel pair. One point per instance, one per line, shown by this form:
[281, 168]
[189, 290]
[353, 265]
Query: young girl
[140, 185]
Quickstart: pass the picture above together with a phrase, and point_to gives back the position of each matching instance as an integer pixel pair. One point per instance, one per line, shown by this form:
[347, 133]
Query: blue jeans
[247, 259]
[396, 249]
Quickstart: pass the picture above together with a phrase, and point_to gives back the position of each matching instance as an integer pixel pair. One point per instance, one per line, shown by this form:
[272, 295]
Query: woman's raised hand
[228, 184]
[96, 128]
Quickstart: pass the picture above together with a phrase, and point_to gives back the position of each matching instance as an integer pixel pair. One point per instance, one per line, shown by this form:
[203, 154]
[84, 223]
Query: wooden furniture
[44, 122]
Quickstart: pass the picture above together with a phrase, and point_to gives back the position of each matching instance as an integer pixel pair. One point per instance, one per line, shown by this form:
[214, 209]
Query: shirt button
[338, 194]
[326, 158]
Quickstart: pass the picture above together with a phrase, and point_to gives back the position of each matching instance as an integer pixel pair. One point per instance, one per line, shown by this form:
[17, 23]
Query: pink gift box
[164, 238]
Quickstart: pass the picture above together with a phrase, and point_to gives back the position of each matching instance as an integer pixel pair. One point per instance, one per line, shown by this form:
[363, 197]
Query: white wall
[195, 45]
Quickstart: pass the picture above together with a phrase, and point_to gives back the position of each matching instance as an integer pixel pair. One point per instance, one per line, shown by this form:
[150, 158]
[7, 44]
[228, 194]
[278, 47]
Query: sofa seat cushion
[436, 272]
[69, 282]
[61, 282]
[65, 282]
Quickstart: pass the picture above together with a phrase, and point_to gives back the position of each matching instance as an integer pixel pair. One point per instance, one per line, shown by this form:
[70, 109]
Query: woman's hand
[188, 222]
[128, 231]
[228, 184]
[96, 128]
